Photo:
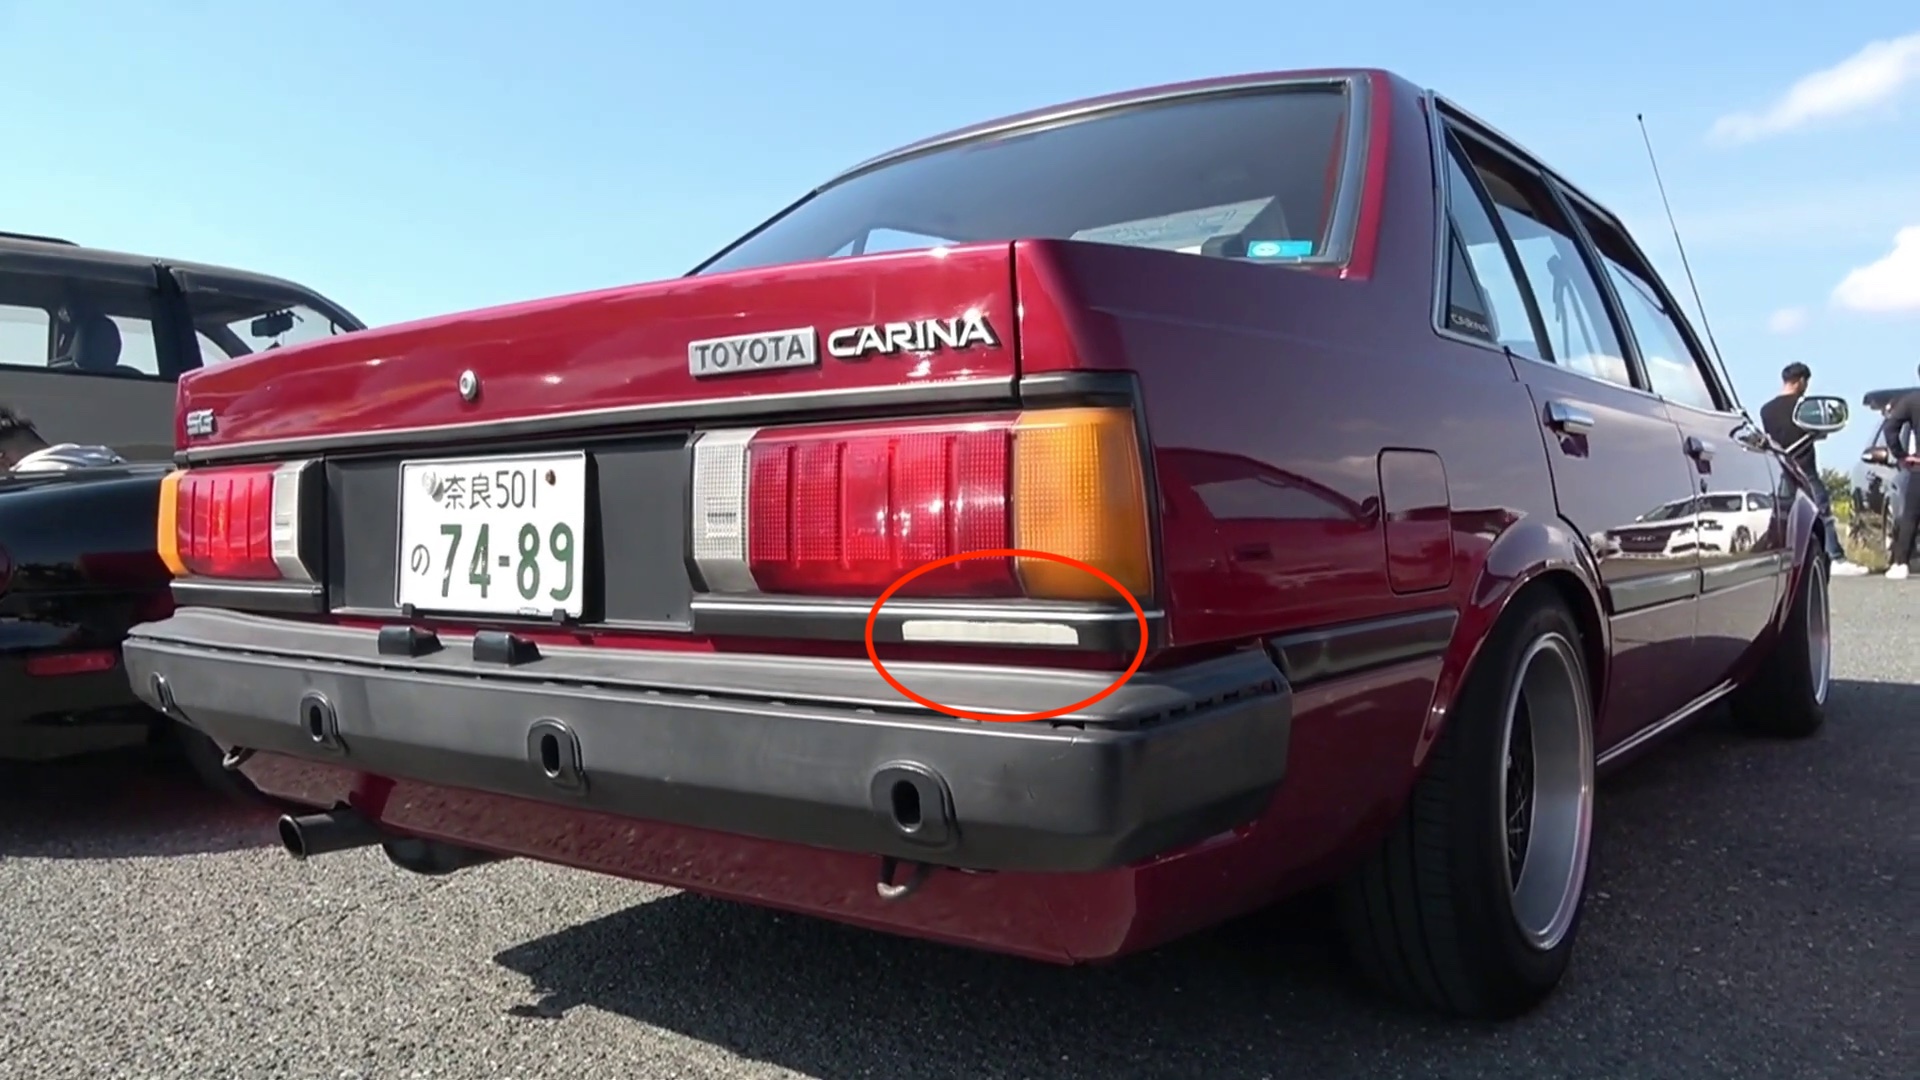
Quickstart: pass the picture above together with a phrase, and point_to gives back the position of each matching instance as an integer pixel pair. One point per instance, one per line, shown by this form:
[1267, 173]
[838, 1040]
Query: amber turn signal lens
[167, 528]
[1079, 490]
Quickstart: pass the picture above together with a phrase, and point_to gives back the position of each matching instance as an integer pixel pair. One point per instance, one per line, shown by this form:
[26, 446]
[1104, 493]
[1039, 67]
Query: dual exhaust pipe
[307, 835]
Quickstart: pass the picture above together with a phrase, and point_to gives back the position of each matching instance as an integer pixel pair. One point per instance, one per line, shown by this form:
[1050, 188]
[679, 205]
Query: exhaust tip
[292, 837]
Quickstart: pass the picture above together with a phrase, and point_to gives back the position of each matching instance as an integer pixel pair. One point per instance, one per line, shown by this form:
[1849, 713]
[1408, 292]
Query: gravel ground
[1746, 921]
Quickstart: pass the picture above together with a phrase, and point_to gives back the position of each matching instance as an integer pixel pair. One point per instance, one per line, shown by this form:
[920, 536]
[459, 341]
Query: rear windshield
[1251, 175]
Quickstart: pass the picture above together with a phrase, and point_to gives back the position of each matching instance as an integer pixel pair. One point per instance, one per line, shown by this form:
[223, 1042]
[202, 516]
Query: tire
[1430, 917]
[1742, 540]
[1786, 697]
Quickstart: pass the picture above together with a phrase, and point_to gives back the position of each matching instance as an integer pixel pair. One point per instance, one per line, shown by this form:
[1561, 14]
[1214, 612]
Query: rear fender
[1804, 537]
[1531, 554]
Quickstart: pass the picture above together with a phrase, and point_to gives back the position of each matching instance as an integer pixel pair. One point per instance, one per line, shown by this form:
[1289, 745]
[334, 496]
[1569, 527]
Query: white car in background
[1718, 521]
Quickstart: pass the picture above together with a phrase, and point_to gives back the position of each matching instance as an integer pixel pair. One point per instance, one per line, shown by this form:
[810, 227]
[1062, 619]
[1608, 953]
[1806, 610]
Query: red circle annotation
[1139, 655]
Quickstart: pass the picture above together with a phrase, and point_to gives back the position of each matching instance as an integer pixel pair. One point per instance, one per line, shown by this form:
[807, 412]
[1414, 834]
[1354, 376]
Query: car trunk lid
[840, 329]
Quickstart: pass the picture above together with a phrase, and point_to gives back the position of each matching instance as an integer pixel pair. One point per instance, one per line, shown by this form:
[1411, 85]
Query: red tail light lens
[224, 521]
[846, 512]
[848, 509]
[241, 522]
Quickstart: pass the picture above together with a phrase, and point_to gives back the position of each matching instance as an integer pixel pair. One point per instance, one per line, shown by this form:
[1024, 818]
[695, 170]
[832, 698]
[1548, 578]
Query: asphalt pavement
[1746, 921]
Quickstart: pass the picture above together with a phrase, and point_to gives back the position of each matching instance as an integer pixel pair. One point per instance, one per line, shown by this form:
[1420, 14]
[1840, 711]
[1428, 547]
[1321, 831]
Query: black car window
[23, 335]
[228, 326]
[97, 327]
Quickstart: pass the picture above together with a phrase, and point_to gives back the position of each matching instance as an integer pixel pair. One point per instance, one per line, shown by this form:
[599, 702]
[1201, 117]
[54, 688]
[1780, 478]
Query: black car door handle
[1699, 449]
[1569, 419]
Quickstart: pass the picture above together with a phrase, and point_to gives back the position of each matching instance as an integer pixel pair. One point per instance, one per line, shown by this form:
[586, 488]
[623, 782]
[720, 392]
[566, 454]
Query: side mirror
[1820, 415]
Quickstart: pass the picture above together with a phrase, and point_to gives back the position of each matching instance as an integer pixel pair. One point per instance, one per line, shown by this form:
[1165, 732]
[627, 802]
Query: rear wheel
[1787, 695]
[1472, 904]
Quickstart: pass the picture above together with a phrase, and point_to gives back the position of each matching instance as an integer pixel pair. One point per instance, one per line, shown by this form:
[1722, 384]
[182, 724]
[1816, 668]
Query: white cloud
[1871, 77]
[1787, 320]
[1889, 284]
[1840, 217]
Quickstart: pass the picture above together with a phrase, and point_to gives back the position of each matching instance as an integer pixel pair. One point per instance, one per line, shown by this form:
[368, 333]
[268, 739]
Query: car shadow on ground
[133, 803]
[1267, 995]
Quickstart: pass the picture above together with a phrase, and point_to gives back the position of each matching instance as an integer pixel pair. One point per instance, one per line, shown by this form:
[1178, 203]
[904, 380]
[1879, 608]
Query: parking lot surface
[1747, 920]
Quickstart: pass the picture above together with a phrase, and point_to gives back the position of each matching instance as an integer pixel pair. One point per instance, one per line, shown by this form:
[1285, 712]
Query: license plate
[493, 535]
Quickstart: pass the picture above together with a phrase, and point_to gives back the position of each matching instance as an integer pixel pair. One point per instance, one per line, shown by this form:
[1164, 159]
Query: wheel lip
[1819, 631]
[1544, 934]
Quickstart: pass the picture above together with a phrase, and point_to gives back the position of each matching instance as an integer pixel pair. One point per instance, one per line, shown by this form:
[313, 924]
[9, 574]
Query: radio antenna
[1684, 265]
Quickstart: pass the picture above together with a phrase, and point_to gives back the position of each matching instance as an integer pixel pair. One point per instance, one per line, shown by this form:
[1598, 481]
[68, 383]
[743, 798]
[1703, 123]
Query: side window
[1757, 501]
[1479, 257]
[1673, 367]
[66, 323]
[1580, 333]
[23, 335]
[1467, 309]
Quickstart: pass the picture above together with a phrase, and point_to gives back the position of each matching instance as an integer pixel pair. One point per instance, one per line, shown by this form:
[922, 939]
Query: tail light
[242, 522]
[846, 510]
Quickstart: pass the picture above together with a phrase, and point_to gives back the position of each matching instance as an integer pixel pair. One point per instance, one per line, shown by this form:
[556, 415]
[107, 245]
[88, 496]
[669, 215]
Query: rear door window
[1480, 270]
[1675, 367]
[1580, 331]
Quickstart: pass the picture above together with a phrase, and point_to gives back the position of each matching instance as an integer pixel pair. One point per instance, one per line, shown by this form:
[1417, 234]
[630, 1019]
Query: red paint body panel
[1269, 397]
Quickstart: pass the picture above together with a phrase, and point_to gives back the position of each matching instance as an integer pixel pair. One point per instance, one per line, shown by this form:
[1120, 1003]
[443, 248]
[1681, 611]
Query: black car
[91, 343]
[1876, 485]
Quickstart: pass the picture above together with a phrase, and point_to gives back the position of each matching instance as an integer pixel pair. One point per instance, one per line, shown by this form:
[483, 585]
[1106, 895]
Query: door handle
[1699, 449]
[1564, 417]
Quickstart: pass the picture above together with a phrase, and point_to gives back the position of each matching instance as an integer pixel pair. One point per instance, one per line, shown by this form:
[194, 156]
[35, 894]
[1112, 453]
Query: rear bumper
[44, 717]
[818, 752]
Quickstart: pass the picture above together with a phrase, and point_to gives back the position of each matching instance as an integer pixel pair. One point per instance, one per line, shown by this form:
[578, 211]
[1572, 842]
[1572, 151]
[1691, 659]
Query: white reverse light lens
[720, 510]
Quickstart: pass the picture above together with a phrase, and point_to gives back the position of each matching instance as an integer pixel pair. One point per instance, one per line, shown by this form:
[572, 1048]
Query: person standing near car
[1900, 435]
[1776, 419]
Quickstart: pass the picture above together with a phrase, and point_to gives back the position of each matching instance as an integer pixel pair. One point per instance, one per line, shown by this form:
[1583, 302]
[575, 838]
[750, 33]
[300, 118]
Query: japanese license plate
[493, 535]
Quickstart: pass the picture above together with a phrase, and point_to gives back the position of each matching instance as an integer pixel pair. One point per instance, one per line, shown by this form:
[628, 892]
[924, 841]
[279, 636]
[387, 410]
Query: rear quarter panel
[1293, 385]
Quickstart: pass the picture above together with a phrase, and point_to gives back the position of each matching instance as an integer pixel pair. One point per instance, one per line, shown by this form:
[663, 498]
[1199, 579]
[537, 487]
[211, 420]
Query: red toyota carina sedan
[1266, 432]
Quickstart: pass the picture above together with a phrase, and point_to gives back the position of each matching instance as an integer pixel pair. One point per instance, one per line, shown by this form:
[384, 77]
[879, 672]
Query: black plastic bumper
[806, 750]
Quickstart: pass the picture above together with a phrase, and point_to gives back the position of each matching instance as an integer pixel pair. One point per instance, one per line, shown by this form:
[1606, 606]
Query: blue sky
[411, 158]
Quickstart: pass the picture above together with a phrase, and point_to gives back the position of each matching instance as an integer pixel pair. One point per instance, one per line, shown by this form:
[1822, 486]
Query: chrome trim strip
[994, 390]
[1734, 573]
[1629, 595]
[1653, 731]
[1318, 655]
[1098, 627]
[278, 597]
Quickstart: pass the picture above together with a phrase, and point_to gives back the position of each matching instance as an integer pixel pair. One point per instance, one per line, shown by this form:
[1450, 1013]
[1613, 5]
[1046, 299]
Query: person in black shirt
[1776, 419]
[1901, 435]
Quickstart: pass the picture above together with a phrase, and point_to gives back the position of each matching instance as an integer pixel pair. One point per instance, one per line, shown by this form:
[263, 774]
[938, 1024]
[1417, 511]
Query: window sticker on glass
[1279, 249]
[1188, 228]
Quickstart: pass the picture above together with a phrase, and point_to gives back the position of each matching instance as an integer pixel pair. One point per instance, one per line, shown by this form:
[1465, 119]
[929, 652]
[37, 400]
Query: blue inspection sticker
[1279, 249]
